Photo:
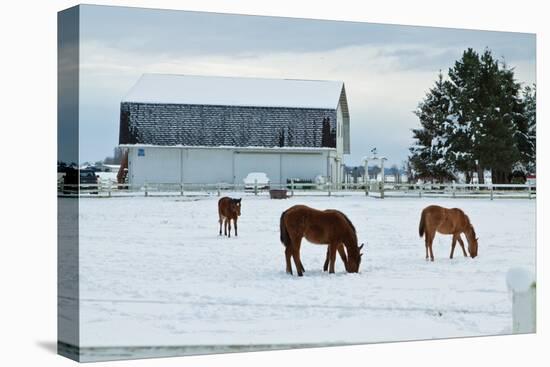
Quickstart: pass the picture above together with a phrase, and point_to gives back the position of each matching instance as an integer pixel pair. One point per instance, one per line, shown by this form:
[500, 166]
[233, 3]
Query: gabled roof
[233, 91]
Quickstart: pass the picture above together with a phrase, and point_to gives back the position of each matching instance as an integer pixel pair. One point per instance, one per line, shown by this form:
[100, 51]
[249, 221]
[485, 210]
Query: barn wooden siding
[207, 125]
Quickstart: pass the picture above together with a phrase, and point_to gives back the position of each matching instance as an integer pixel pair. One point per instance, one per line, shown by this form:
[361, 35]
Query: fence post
[146, 193]
[219, 190]
[366, 188]
[454, 190]
[382, 190]
[529, 190]
[109, 188]
[255, 186]
[523, 286]
[291, 187]
[491, 189]
[181, 189]
[329, 187]
[420, 188]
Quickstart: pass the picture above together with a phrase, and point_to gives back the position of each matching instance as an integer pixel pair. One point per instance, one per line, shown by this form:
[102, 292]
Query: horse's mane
[352, 227]
[349, 221]
[470, 224]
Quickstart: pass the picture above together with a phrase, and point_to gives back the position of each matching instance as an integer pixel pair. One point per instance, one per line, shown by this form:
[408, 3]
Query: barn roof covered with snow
[189, 110]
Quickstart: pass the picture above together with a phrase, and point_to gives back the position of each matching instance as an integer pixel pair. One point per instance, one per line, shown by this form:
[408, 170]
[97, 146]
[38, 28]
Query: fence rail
[375, 189]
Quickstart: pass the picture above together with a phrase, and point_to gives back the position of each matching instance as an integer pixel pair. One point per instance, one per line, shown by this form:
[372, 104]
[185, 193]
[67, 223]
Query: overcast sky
[387, 69]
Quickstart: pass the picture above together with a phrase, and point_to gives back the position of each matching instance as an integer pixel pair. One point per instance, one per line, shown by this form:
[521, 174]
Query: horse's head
[236, 206]
[472, 241]
[354, 259]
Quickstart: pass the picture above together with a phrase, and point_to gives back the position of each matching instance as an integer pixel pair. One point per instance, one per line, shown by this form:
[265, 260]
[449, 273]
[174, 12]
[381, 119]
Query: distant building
[196, 129]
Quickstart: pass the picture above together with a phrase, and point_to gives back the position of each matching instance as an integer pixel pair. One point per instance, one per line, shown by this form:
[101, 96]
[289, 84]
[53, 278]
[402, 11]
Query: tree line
[477, 118]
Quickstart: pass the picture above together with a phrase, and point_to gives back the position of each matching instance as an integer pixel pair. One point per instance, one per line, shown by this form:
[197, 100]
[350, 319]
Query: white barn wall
[304, 165]
[339, 131]
[229, 165]
[338, 173]
[246, 162]
[158, 165]
[207, 165]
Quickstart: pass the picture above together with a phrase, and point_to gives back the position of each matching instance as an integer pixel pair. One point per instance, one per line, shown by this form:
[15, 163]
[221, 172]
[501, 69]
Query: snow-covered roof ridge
[235, 91]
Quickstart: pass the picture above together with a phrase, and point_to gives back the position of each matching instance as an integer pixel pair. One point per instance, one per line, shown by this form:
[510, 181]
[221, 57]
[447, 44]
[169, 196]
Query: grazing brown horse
[447, 221]
[228, 209]
[328, 227]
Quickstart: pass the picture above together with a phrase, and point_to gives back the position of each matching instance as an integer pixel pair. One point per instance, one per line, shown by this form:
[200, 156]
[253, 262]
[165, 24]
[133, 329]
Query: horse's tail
[285, 239]
[421, 225]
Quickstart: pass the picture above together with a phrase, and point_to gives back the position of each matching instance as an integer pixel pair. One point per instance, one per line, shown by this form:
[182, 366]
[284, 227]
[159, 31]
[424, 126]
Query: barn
[206, 129]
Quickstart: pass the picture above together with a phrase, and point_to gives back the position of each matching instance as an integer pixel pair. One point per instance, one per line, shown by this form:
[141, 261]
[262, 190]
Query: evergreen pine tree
[509, 128]
[477, 120]
[465, 91]
[429, 154]
[528, 150]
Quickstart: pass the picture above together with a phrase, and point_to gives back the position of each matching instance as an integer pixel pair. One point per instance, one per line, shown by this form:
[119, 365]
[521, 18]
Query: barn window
[141, 152]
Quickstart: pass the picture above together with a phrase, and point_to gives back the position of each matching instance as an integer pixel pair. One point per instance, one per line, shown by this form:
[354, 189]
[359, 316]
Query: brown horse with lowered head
[228, 209]
[327, 227]
[453, 221]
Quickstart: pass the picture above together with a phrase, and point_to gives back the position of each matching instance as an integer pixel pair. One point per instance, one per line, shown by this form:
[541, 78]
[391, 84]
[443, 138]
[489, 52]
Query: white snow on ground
[155, 272]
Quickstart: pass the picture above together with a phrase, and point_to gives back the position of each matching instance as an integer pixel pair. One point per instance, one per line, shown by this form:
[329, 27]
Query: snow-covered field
[154, 272]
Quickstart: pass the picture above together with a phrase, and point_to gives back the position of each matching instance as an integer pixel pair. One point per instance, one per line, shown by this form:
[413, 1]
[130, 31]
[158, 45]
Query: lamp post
[366, 165]
[382, 160]
[338, 170]
[366, 175]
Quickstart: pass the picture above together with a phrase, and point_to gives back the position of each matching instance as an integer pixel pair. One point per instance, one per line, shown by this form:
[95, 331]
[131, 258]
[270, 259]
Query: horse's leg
[229, 226]
[296, 242]
[430, 243]
[462, 245]
[332, 249]
[235, 222]
[220, 221]
[225, 226]
[343, 256]
[325, 266]
[427, 244]
[300, 259]
[297, 262]
[453, 245]
[288, 254]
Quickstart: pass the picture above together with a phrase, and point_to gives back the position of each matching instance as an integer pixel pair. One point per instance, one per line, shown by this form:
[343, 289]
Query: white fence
[377, 189]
